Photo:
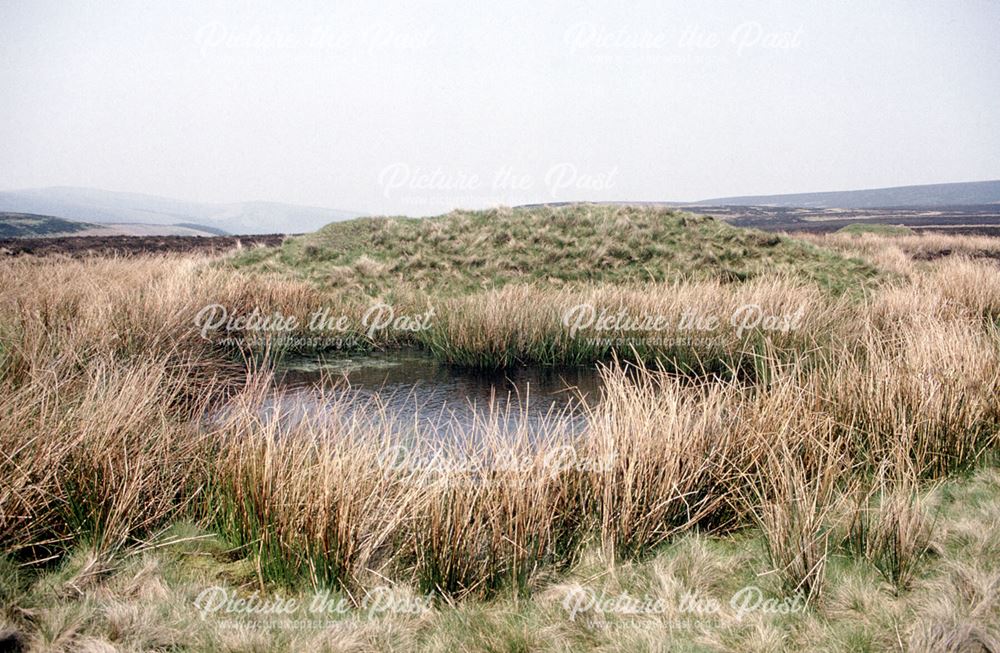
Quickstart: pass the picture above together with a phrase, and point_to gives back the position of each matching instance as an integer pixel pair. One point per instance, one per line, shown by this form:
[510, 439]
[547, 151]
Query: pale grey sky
[418, 107]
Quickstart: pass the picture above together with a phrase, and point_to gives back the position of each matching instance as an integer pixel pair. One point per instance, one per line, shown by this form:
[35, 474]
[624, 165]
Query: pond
[415, 392]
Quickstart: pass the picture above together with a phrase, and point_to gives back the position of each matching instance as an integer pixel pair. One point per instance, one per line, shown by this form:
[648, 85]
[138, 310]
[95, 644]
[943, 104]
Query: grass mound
[466, 251]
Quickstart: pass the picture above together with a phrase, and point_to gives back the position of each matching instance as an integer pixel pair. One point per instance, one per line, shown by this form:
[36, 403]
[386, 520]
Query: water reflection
[416, 393]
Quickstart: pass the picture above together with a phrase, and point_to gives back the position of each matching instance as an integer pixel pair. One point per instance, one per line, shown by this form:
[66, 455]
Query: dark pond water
[415, 392]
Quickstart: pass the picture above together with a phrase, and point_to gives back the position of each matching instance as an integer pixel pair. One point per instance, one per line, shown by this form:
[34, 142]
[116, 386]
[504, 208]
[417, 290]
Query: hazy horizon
[417, 110]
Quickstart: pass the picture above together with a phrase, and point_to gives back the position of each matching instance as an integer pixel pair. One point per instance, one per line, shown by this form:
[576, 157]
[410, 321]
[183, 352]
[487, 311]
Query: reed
[695, 327]
[891, 528]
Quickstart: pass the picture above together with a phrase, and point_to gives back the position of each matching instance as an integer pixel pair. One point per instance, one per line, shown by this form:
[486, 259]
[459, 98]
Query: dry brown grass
[900, 251]
[101, 372]
[704, 326]
[660, 445]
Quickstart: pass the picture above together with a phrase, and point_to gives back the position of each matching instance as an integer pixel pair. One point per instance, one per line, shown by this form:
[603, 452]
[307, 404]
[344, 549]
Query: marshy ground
[826, 481]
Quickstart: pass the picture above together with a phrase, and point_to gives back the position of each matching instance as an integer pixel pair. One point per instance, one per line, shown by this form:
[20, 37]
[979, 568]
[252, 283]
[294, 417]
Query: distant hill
[104, 207]
[26, 225]
[30, 225]
[202, 228]
[959, 194]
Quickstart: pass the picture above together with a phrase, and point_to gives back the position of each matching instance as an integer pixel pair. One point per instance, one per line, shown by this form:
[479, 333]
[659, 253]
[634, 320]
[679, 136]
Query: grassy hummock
[469, 251]
[502, 282]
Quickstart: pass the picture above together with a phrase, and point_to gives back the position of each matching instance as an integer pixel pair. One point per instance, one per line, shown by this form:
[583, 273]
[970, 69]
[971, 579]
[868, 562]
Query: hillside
[101, 206]
[29, 225]
[470, 250]
[964, 193]
[26, 225]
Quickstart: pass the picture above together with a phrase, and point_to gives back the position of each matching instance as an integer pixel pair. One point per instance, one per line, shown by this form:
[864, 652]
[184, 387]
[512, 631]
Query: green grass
[469, 251]
[877, 229]
[147, 599]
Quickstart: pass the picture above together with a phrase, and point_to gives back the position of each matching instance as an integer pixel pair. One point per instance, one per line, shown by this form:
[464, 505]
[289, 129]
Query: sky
[419, 107]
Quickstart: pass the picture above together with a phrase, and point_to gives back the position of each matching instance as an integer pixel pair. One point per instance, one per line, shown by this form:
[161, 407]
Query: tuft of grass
[895, 533]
